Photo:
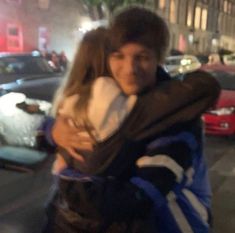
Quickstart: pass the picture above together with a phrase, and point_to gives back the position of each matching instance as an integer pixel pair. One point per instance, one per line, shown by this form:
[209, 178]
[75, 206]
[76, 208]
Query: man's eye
[117, 56]
[142, 58]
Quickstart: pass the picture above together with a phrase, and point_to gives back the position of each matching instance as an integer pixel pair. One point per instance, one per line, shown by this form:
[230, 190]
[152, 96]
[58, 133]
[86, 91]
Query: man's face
[133, 66]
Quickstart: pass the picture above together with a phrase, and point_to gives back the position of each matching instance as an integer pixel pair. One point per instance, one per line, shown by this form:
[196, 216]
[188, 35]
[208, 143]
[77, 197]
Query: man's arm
[170, 103]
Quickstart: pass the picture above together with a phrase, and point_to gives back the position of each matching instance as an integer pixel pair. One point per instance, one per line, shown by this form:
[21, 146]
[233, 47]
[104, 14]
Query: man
[156, 182]
[138, 50]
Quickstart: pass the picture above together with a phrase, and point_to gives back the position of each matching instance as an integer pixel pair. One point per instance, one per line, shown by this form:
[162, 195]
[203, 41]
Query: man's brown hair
[140, 25]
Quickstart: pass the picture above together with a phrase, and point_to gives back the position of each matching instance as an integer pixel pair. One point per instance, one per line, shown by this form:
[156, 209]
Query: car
[203, 58]
[25, 174]
[27, 88]
[229, 59]
[28, 73]
[220, 120]
[26, 179]
[181, 64]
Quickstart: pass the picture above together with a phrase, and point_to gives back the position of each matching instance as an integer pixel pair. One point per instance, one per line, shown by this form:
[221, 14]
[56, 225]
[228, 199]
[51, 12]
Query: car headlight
[223, 111]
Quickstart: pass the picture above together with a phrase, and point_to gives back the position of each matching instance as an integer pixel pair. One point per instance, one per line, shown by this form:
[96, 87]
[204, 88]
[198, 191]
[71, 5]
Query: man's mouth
[131, 80]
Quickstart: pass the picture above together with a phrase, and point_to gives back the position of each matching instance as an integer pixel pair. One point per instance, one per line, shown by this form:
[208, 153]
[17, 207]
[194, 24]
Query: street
[52, 52]
[220, 154]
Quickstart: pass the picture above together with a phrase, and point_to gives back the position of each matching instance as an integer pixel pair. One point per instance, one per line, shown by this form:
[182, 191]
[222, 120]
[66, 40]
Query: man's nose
[131, 66]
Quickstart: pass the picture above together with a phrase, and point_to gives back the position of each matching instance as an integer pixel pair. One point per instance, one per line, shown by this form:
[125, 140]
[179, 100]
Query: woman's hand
[73, 138]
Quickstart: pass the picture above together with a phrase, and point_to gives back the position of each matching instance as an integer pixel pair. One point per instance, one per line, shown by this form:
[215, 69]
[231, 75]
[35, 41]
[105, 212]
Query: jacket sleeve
[172, 102]
[169, 159]
[44, 137]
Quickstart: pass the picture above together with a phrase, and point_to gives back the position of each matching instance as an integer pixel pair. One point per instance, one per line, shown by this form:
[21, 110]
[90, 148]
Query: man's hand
[72, 137]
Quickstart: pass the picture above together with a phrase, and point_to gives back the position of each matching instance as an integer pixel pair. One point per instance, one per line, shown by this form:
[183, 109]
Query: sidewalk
[222, 175]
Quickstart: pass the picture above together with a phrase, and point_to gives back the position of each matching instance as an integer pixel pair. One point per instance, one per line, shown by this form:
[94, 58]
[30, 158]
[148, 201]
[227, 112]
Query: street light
[215, 41]
[191, 40]
[191, 36]
[88, 25]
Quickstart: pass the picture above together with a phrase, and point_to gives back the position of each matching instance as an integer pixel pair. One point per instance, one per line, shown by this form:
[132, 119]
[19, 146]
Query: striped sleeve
[168, 161]
[165, 175]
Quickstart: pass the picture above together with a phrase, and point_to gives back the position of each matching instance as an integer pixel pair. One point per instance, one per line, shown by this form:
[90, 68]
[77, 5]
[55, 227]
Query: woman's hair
[89, 63]
[140, 25]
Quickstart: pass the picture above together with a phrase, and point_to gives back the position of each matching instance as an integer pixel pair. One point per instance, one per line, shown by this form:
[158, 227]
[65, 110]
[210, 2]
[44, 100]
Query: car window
[26, 65]
[231, 58]
[173, 61]
[203, 59]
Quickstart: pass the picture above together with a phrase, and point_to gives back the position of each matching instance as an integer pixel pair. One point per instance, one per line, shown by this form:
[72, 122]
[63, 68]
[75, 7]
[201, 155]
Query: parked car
[181, 64]
[220, 120]
[229, 59]
[203, 58]
[28, 73]
[25, 174]
[27, 87]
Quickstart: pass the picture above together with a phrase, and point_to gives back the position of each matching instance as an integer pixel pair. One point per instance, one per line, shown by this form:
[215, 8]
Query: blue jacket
[183, 205]
[167, 191]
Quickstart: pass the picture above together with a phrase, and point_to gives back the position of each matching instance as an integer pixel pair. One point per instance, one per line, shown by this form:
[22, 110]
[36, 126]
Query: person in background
[152, 172]
[54, 61]
[63, 60]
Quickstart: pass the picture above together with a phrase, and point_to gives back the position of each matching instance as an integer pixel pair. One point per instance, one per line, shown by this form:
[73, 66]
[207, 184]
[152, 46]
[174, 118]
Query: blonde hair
[89, 63]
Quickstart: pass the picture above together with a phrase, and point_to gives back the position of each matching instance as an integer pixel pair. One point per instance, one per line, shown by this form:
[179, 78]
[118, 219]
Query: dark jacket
[113, 195]
[171, 102]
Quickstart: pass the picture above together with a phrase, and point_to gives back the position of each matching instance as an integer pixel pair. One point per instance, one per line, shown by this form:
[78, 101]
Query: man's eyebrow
[115, 51]
[144, 52]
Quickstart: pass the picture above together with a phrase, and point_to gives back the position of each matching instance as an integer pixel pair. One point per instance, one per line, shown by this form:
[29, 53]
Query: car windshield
[24, 65]
[226, 80]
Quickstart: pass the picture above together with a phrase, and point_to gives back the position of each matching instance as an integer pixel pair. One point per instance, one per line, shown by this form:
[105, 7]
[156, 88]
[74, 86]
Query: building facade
[26, 25]
[199, 26]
